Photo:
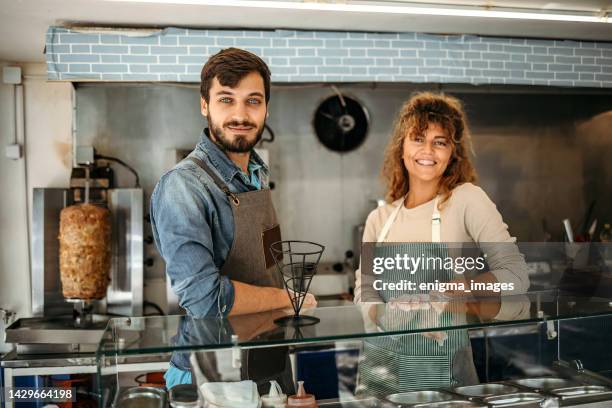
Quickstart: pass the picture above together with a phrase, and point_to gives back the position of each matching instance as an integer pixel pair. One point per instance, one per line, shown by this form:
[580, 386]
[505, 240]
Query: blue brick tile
[494, 73]
[306, 61]
[359, 71]
[407, 36]
[199, 40]
[169, 50]
[278, 42]
[139, 49]
[539, 67]
[148, 40]
[517, 74]
[79, 68]
[226, 33]
[409, 70]
[307, 70]
[429, 45]
[333, 70]
[284, 70]
[560, 51]
[331, 34]
[332, 61]
[304, 34]
[357, 43]
[190, 59]
[383, 62]
[357, 35]
[432, 62]
[540, 50]
[358, 61]
[454, 46]
[166, 68]
[333, 43]
[479, 47]
[584, 76]
[80, 49]
[102, 68]
[517, 49]
[586, 52]
[257, 42]
[568, 60]
[58, 49]
[473, 72]
[409, 62]
[139, 59]
[167, 59]
[456, 63]
[280, 52]
[539, 75]
[382, 53]
[479, 64]
[79, 58]
[560, 67]
[382, 44]
[210, 50]
[432, 54]
[603, 77]
[139, 68]
[561, 83]
[517, 65]
[567, 76]
[540, 43]
[189, 78]
[174, 31]
[109, 49]
[110, 58]
[495, 56]
[225, 41]
[540, 58]
[472, 55]
[306, 52]
[383, 70]
[606, 53]
[408, 53]
[200, 51]
[587, 68]
[496, 48]
[73, 38]
[111, 77]
[433, 71]
[408, 44]
[168, 77]
[193, 68]
[604, 61]
[382, 36]
[518, 57]
[497, 40]
[456, 55]
[140, 77]
[279, 61]
[332, 52]
[587, 44]
[169, 40]
[357, 52]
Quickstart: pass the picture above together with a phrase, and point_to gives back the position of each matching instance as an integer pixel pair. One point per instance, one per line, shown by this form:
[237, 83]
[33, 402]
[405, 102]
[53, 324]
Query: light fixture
[386, 8]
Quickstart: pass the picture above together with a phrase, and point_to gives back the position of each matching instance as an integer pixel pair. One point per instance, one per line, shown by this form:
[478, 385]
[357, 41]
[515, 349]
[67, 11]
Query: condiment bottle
[301, 399]
[275, 398]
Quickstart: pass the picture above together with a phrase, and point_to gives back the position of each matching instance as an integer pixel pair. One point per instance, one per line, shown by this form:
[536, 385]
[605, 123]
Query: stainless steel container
[485, 390]
[142, 397]
[543, 383]
[184, 396]
[451, 404]
[418, 397]
[518, 399]
[583, 393]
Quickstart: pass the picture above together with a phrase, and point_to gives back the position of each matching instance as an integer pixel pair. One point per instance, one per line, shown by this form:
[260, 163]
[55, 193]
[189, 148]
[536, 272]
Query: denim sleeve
[181, 215]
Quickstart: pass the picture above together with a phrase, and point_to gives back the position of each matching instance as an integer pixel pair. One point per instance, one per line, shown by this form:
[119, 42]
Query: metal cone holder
[297, 263]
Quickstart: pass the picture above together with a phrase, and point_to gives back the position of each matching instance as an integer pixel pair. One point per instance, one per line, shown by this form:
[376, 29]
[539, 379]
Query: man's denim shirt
[193, 226]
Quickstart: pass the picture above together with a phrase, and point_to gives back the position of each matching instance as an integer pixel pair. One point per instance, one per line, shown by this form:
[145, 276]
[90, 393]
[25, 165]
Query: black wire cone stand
[297, 274]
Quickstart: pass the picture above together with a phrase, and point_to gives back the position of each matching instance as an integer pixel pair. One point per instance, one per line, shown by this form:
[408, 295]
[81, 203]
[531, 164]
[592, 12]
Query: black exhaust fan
[341, 123]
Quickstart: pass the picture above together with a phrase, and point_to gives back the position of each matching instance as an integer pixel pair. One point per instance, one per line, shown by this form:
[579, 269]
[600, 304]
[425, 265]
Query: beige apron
[250, 261]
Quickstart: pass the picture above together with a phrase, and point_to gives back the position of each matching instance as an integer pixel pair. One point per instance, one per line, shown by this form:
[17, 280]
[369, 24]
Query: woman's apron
[414, 362]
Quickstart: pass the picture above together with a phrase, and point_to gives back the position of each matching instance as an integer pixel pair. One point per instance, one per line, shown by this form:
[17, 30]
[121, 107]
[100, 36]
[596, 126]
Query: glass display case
[546, 348]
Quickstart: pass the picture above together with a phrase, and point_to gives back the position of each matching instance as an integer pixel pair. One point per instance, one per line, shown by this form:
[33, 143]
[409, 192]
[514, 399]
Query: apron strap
[436, 220]
[216, 179]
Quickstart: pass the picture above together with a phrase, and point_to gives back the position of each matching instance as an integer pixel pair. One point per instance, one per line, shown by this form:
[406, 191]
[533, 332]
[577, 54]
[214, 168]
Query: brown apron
[250, 261]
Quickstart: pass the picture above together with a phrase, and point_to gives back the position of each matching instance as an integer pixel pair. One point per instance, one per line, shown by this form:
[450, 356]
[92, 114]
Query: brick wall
[177, 55]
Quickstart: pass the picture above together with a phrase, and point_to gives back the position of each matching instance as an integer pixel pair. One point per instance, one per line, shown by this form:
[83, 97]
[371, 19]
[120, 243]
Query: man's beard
[240, 144]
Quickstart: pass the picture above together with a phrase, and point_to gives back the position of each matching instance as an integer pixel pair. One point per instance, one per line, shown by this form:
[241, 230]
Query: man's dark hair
[229, 66]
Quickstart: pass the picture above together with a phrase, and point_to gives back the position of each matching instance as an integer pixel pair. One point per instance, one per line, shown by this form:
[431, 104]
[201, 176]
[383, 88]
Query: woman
[432, 199]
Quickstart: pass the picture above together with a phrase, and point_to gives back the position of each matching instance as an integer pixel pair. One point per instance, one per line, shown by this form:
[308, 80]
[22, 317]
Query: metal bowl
[485, 390]
[544, 383]
[142, 397]
[519, 399]
[418, 397]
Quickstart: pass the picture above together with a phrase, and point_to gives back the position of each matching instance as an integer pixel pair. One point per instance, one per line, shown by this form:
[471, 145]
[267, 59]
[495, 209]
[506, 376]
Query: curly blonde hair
[417, 113]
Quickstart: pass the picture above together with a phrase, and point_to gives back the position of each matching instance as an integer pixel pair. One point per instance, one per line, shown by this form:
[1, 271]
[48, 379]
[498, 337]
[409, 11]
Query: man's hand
[309, 301]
